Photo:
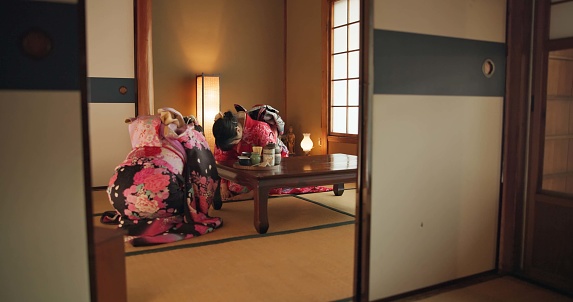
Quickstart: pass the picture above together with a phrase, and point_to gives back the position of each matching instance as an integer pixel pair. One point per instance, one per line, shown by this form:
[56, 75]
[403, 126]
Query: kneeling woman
[237, 133]
[164, 188]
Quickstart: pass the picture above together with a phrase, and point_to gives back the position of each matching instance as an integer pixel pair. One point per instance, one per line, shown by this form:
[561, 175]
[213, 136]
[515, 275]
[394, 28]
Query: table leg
[338, 189]
[261, 198]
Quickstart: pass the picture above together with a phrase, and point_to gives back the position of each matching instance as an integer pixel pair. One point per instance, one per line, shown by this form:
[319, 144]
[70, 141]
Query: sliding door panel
[548, 248]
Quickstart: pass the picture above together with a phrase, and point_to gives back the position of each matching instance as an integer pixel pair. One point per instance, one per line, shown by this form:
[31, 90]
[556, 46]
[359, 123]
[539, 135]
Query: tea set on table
[268, 156]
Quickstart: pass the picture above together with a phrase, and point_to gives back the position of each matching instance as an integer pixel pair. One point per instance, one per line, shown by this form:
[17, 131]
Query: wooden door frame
[539, 92]
[143, 70]
[515, 134]
[526, 40]
[364, 192]
[542, 45]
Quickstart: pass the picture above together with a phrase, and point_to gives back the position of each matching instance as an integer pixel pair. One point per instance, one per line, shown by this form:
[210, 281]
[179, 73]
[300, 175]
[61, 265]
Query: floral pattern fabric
[258, 133]
[163, 193]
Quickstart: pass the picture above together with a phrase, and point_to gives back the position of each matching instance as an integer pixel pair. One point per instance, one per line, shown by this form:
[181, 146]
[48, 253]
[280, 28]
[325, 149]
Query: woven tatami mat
[306, 266]
[286, 214]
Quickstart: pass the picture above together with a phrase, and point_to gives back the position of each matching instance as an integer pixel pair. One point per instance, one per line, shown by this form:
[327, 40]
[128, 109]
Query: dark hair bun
[229, 115]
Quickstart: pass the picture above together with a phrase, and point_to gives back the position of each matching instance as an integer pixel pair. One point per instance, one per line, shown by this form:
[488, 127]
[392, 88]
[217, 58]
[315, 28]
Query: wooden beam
[364, 191]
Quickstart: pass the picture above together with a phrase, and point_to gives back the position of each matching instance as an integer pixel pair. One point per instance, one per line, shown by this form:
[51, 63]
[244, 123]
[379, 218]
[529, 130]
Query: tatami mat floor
[307, 255]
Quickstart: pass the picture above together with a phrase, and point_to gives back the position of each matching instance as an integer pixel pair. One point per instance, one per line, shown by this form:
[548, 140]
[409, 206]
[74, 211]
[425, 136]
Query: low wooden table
[294, 172]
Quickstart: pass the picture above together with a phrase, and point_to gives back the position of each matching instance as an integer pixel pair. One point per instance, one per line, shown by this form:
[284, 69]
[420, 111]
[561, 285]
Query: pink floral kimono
[164, 188]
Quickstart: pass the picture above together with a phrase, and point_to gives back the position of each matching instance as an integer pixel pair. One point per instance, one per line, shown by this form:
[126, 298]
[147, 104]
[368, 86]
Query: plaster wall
[241, 41]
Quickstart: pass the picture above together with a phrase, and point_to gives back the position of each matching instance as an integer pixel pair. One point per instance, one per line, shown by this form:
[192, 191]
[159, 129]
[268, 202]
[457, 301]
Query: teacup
[255, 159]
[244, 161]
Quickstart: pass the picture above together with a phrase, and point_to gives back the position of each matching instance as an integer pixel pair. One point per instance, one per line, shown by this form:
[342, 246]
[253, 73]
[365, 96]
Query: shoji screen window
[345, 66]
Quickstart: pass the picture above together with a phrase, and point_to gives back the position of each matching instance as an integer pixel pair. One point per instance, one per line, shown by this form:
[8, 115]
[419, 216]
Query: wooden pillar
[143, 57]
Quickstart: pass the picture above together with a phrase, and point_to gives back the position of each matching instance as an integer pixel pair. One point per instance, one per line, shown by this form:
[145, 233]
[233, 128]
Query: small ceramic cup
[255, 158]
[244, 161]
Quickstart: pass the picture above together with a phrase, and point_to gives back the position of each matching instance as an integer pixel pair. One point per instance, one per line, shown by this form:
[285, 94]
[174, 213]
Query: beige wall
[304, 71]
[467, 19]
[242, 41]
[109, 29]
[109, 56]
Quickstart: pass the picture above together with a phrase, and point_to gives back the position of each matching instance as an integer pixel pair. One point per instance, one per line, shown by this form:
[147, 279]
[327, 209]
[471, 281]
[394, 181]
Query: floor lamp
[208, 104]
